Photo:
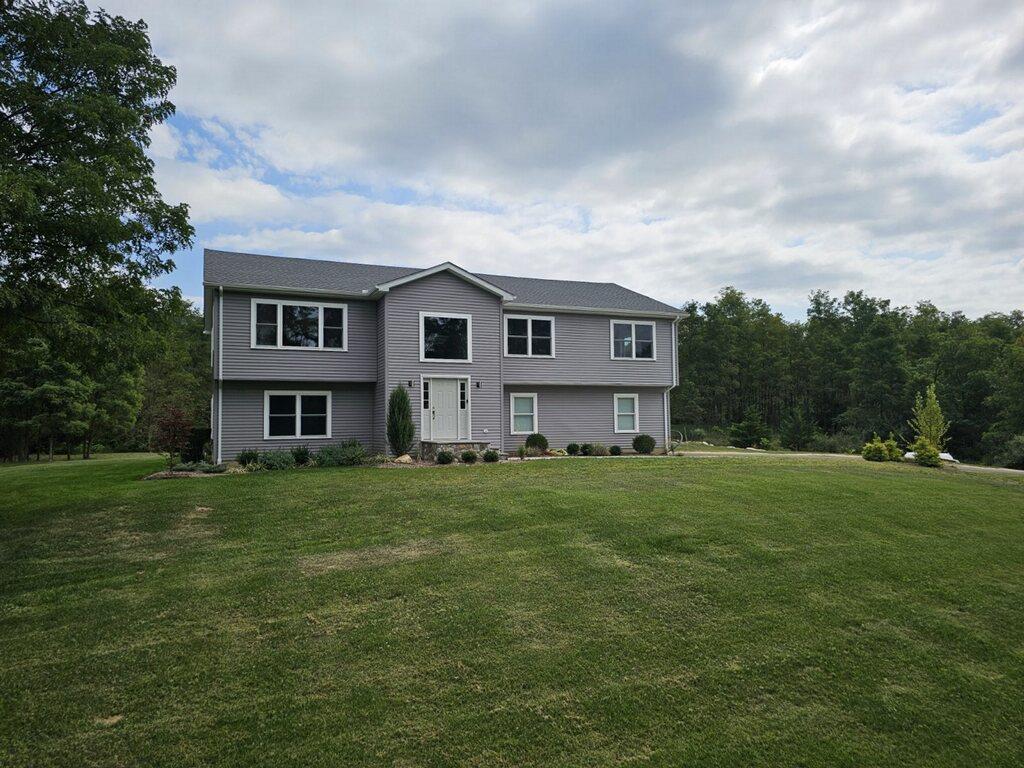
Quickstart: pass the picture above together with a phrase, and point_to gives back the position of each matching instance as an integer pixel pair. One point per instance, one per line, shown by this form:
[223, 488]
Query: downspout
[220, 373]
[501, 376]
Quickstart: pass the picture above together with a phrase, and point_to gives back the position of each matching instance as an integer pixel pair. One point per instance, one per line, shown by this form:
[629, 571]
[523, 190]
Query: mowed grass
[570, 613]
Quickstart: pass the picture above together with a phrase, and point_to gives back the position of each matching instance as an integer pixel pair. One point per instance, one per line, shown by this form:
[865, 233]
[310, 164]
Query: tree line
[852, 369]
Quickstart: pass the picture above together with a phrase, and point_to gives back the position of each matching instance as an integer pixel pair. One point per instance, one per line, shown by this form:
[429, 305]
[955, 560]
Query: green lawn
[568, 613]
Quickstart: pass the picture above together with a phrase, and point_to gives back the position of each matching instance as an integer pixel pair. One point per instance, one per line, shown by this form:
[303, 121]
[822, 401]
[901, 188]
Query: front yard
[569, 613]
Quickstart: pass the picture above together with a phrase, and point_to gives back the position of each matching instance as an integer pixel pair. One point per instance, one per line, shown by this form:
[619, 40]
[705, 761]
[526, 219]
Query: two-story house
[306, 352]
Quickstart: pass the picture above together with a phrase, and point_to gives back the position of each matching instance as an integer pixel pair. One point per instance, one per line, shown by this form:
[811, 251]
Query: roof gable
[454, 269]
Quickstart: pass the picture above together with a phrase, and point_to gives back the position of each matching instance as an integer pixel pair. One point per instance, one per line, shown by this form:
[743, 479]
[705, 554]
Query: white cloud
[672, 147]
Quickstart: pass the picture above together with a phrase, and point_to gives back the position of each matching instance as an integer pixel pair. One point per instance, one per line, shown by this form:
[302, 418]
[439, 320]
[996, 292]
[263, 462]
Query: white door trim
[425, 425]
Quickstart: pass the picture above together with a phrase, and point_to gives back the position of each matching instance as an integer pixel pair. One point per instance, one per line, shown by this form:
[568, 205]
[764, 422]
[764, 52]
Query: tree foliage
[852, 368]
[79, 92]
[928, 422]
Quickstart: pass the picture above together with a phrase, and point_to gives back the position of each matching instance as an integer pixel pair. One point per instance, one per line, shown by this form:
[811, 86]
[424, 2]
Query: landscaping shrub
[491, 456]
[248, 456]
[214, 469]
[376, 459]
[572, 449]
[187, 466]
[445, 457]
[535, 451]
[892, 449]
[302, 455]
[587, 449]
[277, 459]
[349, 453]
[598, 449]
[925, 453]
[468, 457]
[1012, 455]
[521, 451]
[615, 450]
[171, 434]
[399, 424]
[875, 450]
[537, 440]
[749, 432]
[643, 444]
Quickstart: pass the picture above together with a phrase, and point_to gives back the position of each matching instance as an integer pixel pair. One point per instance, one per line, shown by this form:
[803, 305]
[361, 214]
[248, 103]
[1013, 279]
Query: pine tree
[400, 426]
[928, 422]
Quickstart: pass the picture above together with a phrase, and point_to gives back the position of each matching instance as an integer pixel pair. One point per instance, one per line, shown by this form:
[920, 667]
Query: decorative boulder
[405, 458]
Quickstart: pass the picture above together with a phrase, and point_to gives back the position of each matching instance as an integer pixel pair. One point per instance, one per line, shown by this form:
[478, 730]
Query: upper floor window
[446, 338]
[528, 336]
[632, 340]
[299, 324]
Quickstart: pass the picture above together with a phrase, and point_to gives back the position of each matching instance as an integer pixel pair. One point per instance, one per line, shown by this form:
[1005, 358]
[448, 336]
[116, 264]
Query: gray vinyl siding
[567, 414]
[583, 355]
[443, 293]
[351, 415]
[380, 402]
[242, 362]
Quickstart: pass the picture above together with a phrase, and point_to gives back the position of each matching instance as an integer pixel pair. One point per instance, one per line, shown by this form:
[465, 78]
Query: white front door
[444, 409]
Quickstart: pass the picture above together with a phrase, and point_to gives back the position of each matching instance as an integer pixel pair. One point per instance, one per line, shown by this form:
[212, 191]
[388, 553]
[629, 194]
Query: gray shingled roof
[257, 271]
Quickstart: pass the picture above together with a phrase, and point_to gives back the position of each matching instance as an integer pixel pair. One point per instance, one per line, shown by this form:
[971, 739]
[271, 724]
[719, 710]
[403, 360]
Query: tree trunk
[87, 448]
[67, 448]
[51, 449]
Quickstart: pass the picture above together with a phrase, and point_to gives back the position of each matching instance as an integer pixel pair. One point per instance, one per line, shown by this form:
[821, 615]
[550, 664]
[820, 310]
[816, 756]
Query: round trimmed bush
[468, 457]
[643, 444]
[491, 456]
[445, 457]
[587, 449]
[537, 440]
[875, 450]
[615, 450]
[925, 453]
[572, 449]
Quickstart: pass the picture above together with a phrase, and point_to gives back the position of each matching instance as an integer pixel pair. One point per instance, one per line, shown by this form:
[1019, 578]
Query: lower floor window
[524, 413]
[297, 414]
[626, 413]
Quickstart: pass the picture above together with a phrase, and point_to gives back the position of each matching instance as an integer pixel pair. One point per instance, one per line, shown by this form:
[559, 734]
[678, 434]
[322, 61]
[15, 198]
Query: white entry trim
[425, 432]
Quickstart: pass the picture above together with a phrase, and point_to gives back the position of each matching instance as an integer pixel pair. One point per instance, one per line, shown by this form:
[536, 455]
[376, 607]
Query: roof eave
[598, 311]
[290, 290]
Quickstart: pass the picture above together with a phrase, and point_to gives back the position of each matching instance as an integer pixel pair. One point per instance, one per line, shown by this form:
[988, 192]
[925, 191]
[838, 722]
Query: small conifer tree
[400, 427]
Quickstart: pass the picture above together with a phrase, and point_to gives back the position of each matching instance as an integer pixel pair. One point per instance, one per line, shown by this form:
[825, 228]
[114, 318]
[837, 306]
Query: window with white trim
[632, 340]
[529, 336]
[446, 338]
[299, 324]
[296, 414]
[523, 413]
[627, 416]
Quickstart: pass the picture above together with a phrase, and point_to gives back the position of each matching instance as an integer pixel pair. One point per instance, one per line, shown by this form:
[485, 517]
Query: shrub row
[349, 453]
[445, 456]
[199, 466]
[877, 450]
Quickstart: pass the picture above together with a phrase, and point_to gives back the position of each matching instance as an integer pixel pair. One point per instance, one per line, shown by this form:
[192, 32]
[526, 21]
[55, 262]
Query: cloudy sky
[674, 148]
